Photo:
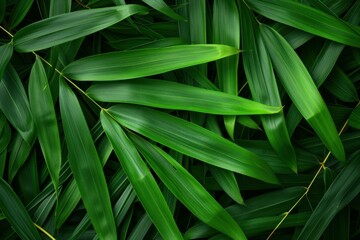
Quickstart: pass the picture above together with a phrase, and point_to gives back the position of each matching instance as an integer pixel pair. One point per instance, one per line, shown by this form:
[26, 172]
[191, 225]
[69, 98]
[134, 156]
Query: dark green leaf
[354, 120]
[6, 52]
[21, 8]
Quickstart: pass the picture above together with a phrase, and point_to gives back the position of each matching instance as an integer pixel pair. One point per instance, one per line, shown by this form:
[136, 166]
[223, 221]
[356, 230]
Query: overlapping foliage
[182, 119]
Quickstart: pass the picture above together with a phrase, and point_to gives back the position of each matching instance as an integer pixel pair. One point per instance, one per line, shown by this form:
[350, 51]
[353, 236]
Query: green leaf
[69, 26]
[188, 190]
[354, 119]
[15, 212]
[171, 95]
[6, 52]
[43, 111]
[264, 89]
[15, 105]
[5, 134]
[226, 30]
[85, 165]
[192, 140]
[308, 19]
[341, 192]
[162, 7]
[59, 7]
[126, 65]
[302, 90]
[21, 8]
[141, 179]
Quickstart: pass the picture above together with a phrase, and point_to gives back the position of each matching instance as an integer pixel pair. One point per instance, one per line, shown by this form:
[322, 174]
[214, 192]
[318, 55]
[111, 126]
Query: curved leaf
[302, 90]
[16, 213]
[141, 179]
[43, 111]
[6, 52]
[193, 140]
[69, 26]
[85, 165]
[162, 7]
[308, 19]
[171, 95]
[126, 65]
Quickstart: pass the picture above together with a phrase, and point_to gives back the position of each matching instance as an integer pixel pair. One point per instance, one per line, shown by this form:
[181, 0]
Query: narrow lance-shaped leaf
[162, 7]
[42, 108]
[59, 7]
[226, 30]
[354, 119]
[141, 179]
[16, 213]
[15, 105]
[69, 26]
[85, 165]
[126, 65]
[193, 140]
[188, 190]
[171, 95]
[18, 14]
[308, 19]
[263, 86]
[6, 52]
[302, 90]
[340, 193]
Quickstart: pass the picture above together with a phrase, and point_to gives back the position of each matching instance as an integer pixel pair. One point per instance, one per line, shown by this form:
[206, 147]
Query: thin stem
[7, 32]
[44, 231]
[322, 166]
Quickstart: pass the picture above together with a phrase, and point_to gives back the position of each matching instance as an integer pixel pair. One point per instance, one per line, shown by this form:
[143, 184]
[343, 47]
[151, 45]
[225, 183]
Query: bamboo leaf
[5, 134]
[43, 111]
[85, 165]
[354, 119]
[126, 65]
[15, 105]
[188, 190]
[264, 89]
[141, 179]
[21, 8]
[15, 212]
[171, 95]
[308, 19]
[302, 90]
[6, 52]
[59, 7]
[190, 139]
[69, 26]
[341, 192]
[162, 7]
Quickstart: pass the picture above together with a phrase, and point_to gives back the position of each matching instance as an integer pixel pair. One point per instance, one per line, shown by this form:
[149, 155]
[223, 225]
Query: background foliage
[179, 119]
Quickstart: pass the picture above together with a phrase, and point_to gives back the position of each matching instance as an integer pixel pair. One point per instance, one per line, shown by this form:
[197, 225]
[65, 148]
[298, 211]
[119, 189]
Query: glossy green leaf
[341, 192]
[19, 12]
[6, 52]
[162, 7]
[43, 111]
[190, 139]
[188, 190]
[15, 212]
[85, 164]
[171, 95]
[59, 7]
[297, 81]
[126, 65]
[141, 179]
[263, 86]
[226, 30]
[15, 105]
[66, 27]
[308, 19]
[354, 119]
[248, 122]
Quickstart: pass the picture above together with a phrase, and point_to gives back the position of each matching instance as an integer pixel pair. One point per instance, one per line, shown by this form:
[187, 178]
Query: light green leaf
[162, 7]
[193, 140]
[341, 192]
[15, 105]
[15, 212]
[21, 8]
[126, 65]
[43, 111]
[85, 165]
[308, 19]
[171, 95]
[6, 52]
[302, 90]
[69, 26]
[141, 179]
[263, 86]
[188, 190]
[354, 119]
